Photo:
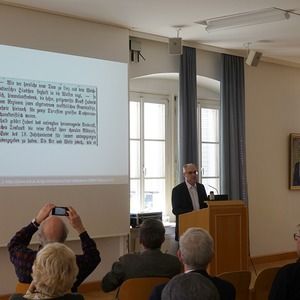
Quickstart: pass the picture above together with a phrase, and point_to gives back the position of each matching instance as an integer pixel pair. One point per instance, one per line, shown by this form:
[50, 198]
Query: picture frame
[295, 161]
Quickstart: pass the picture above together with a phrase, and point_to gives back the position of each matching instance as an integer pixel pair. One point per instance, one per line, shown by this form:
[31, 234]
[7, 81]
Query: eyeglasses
[296, 236]
[192, 172]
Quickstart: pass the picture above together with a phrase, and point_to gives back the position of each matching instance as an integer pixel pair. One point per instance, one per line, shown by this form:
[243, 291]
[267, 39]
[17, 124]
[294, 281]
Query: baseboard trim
[273, 258]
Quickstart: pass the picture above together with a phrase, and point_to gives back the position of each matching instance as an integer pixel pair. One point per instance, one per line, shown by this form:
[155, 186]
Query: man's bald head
[53, 229]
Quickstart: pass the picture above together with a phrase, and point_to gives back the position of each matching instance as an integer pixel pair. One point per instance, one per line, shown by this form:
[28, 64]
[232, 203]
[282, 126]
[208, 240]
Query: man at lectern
[188, 195]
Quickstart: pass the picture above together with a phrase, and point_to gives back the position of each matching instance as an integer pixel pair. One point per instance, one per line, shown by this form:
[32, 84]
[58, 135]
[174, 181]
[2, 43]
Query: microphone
[214, 188]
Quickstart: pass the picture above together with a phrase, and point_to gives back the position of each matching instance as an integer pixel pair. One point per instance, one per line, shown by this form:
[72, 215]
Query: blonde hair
[54, 270]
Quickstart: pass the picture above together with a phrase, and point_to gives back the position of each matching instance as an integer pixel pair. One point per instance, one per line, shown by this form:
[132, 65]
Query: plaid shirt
[23, 257]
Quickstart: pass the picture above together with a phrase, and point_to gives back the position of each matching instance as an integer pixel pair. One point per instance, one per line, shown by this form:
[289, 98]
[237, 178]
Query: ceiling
[277, 40]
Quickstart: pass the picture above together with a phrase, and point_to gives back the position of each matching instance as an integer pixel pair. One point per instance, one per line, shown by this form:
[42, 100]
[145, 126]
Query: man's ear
[179, 255]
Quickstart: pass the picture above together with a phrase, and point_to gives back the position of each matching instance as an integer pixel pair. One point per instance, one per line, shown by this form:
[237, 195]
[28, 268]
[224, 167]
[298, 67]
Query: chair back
[139, 288]
[241, 281]
[263, 283]
[21, 288]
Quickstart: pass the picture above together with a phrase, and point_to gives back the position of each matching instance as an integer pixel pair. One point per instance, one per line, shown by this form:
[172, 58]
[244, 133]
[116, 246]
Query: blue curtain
[233, 140]
[187, 140]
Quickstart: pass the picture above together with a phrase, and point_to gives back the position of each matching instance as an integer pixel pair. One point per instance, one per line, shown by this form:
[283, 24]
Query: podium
[227, 223]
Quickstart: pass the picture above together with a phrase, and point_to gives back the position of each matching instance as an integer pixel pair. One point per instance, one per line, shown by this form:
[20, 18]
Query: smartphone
[60, 211]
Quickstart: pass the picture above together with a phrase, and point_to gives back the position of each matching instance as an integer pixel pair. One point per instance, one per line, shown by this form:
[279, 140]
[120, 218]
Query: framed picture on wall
[295, 161]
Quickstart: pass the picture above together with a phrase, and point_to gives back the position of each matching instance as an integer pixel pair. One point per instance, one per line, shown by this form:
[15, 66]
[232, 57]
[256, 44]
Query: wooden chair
[241, 281]
[263, 283]
[21, 288]
[139, 288]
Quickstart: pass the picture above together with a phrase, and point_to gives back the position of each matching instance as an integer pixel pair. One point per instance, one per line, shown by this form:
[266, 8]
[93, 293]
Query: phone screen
[60, 211]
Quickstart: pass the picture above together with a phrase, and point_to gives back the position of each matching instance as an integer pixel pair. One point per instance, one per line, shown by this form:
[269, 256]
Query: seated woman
[54, 272]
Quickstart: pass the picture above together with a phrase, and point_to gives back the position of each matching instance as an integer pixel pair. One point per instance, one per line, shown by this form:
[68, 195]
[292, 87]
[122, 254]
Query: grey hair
[185, 166]
[196, 246]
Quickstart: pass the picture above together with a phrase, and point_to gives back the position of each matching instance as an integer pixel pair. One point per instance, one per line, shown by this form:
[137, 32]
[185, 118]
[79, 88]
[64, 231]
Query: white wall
[272, 113]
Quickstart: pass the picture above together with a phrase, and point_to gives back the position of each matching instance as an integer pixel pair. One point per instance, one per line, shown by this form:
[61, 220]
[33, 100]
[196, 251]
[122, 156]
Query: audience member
[196, 252]
[52, 229]
[286, 284]
[190, 286]
[53, 274]
[151, 262]
[188, 195]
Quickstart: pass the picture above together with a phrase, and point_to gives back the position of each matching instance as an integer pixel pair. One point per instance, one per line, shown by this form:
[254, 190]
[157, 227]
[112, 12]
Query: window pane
[135, 159]
[135, 195]
[210, 125]
[147, 154]
[210, 160]
[211, 184]
[154, 159]
[154, 195]
[154, 126]
[134, 120]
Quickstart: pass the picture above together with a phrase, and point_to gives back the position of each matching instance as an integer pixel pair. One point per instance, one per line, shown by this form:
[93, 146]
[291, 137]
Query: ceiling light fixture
[245, 19]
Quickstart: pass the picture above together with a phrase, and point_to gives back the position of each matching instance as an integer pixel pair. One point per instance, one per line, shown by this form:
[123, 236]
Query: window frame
[142, 98]
[208, 104]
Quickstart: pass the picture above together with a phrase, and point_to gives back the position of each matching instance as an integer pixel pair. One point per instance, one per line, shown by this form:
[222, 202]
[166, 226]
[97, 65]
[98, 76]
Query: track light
[253, 57]
[245, 19]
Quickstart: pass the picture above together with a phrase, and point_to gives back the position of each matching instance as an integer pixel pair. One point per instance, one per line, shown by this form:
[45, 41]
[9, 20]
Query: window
[153, 146]
[208, 116]
[148, 145]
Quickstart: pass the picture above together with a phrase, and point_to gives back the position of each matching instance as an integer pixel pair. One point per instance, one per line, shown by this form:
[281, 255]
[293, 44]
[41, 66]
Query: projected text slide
[41, 112]
[63, 119]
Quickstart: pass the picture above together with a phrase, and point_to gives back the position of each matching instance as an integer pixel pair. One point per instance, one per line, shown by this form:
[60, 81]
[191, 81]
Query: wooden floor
[100, 295]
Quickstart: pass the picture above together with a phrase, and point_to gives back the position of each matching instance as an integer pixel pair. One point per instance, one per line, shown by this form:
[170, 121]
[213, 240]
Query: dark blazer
[286, 283]
[182, 202]
[148, 263]
[225, 288]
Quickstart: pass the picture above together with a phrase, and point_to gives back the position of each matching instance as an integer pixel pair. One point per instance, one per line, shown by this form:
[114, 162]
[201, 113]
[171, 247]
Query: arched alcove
[167, 83]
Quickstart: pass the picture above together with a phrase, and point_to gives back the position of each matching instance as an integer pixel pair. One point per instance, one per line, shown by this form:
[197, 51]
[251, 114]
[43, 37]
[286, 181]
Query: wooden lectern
[227, 223]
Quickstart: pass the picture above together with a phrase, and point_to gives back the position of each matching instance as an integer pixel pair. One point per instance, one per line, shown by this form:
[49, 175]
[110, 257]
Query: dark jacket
[182, 202]
[225, 288]
[286, 283]
[148, 263]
